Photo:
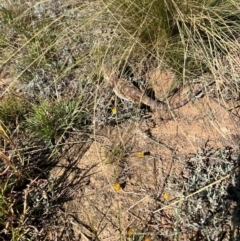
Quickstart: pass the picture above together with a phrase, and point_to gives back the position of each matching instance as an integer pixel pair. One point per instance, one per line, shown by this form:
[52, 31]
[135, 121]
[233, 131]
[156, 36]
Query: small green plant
[50, 120]
[115, 154]
[117, 157]
[13, 110]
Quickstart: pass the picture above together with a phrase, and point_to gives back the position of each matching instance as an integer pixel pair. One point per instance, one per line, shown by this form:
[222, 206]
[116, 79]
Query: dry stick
[192, 194]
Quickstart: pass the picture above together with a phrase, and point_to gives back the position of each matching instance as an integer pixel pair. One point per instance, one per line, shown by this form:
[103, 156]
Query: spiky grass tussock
[50, 120]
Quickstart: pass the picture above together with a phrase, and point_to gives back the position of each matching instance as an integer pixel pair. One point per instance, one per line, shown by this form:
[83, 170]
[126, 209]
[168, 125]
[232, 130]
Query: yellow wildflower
[166, 196]
[116, 187]
[140, 154]
[114, 110]
[130, 232]
[147, 239]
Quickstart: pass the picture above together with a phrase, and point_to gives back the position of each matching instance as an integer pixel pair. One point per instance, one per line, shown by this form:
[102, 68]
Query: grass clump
[116, 154]
[28, 197]
[50, 120]
[185, 35]
[13, 110]
[13, 177]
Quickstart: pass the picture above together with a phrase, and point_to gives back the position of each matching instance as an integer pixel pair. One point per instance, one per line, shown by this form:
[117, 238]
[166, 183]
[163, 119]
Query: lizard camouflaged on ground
[127, 91]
